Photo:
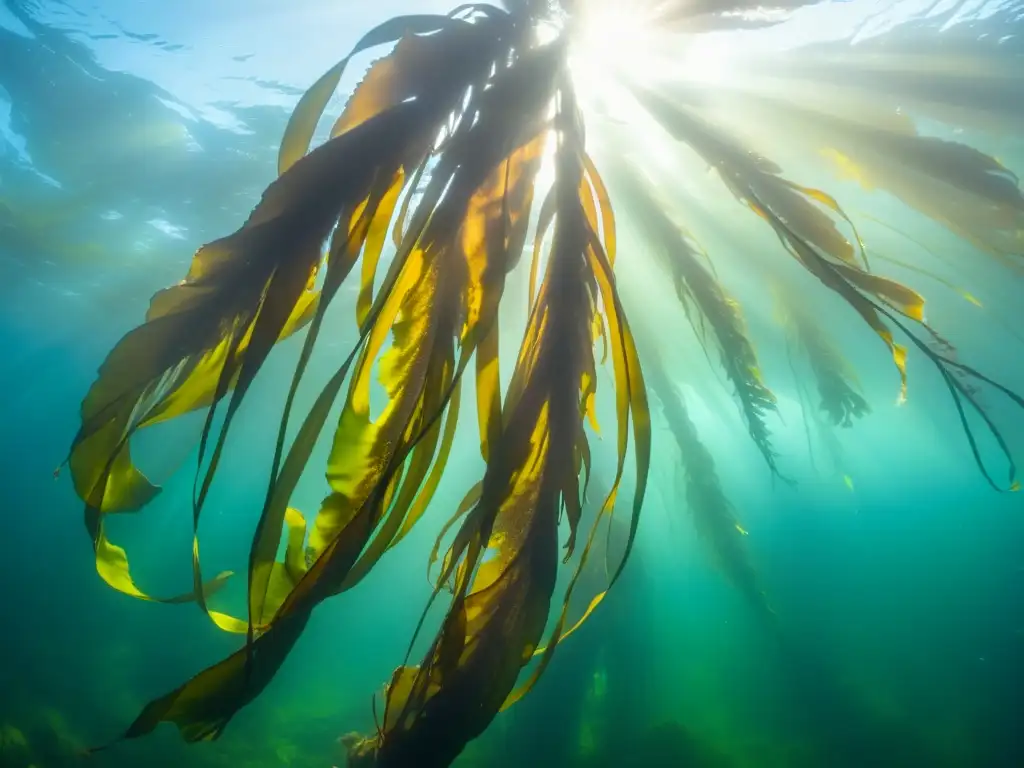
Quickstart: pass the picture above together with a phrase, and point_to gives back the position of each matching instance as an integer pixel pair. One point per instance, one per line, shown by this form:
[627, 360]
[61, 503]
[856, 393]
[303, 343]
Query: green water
[131, 133]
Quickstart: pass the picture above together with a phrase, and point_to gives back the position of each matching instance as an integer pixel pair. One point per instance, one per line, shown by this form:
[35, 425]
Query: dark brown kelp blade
[213, 331]
[968, 84]
[204, 705]
[447, 289]
[971, 194]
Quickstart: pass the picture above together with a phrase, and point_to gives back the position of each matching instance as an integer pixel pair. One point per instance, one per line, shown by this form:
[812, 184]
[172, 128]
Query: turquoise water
[131, 133]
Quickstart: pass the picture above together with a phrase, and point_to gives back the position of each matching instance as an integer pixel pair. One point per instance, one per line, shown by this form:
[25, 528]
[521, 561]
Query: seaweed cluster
[458, 145]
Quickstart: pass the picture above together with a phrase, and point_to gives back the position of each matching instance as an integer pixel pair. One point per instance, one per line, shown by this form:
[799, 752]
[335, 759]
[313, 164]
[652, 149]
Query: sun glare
[612, 45]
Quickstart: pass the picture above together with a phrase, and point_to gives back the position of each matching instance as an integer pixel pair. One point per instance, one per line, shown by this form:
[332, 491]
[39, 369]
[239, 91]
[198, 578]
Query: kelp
[440, 152]
[971, 194]
[691, 16]
[209, 335]
[883, 304]
[710, 310]
[349, 180]
[714, 517]
[502, 563]
[839, 400]
[839, 393]
[480, 83]
[950, 263]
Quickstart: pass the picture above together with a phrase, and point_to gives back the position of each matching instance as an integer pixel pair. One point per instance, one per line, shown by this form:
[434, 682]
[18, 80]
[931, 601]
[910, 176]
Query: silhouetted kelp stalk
[839, 399]
[444, 145]
[838, 388]
[716, 317]
[714, 517]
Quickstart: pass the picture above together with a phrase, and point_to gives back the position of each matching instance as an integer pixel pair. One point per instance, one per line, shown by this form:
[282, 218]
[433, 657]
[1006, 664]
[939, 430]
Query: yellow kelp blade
[499, 611]
[425, 314]
[794, 205]
[418, 367]
[127, 489]
[487, 245]
[259, 266]
[112, 566]
[631, 406]
[241, 295]
[302, 124]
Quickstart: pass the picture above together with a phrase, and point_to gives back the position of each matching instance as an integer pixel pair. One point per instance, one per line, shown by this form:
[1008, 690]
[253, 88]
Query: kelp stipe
[713, 515]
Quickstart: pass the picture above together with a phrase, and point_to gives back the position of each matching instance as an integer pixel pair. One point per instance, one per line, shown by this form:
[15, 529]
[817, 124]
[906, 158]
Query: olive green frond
[883, 304]
[714, 516]
[711, 311]
[838, 390]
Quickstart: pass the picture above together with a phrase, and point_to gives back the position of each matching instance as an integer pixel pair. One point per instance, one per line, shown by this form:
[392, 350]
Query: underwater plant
[459, 144]
[839, 398]
[838, 388]
[714, 517]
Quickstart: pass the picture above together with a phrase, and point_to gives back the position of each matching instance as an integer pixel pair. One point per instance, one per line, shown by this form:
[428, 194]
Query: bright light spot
[546, 172]
[708, 59]
[546, 32]
[609, 46]
[612, 45]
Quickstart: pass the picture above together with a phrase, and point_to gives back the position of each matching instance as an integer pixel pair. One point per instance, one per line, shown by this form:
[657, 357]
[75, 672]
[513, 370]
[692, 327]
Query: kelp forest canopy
[480, 146]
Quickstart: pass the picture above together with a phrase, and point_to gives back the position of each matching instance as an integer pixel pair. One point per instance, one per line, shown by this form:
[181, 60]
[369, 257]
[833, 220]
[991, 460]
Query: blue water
[132, 132]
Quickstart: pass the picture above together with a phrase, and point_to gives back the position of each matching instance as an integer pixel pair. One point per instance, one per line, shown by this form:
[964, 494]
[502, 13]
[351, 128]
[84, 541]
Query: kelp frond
[971, 194]
[246, 291]
[483, 84]
[437, 158]
[883, 304]
[714, 517]
[838, 389]
[710, 309]
[502, 563]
